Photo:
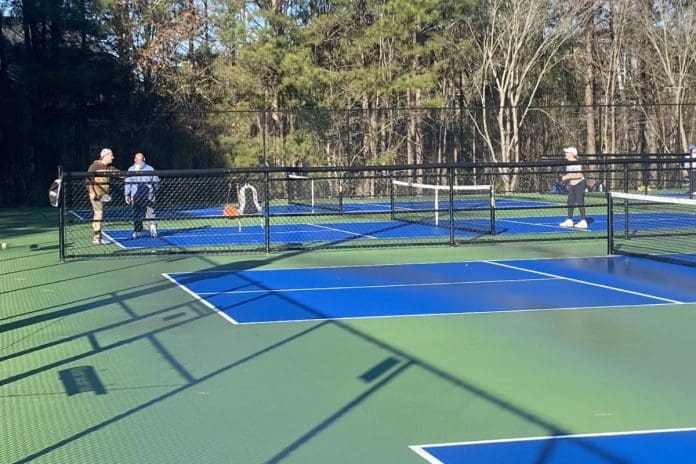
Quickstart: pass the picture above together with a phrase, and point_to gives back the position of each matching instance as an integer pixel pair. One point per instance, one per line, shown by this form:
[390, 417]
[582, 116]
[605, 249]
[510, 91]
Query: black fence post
[392, 194]
[610, 224]
[492, 206]
[625, 173]
[450, 184]
[61, 214]
[267, 208]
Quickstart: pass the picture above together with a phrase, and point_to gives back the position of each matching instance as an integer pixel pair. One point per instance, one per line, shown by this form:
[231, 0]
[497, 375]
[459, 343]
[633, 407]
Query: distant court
[378, 230]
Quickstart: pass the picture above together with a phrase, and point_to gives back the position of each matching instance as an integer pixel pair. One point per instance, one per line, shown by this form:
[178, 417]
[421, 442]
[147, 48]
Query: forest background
[236, 83]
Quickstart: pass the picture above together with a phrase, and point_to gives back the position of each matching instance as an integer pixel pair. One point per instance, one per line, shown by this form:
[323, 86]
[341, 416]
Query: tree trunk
[590, 136]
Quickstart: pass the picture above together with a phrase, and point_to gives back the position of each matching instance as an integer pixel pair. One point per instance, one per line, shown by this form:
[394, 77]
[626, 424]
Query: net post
[437, 207]
[392, 193]
[61, 216]
[492, 206]
[450, 183]
[266, 211]
[340, 194]
[626, 234]
[311, 187]
[610, 223]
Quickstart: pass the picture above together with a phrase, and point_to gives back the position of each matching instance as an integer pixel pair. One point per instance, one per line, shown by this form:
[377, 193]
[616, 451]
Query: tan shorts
[97, 206]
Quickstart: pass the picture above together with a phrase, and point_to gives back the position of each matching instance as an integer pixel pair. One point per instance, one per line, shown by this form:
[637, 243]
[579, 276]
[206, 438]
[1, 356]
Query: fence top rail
[640, 160]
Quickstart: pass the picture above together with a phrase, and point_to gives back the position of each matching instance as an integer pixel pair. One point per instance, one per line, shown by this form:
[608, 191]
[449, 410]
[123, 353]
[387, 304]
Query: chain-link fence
[659, 227]
[267, 210]
[335, 137]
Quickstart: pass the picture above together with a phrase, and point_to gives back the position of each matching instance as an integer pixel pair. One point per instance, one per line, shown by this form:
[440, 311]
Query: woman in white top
[690, 165]
[576, 189]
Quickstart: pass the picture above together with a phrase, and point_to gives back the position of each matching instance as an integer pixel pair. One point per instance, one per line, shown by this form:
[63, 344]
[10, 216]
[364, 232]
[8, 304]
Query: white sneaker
[566, 223]
[581, 224]
[153, 230]
[136, 235]
[99, 241]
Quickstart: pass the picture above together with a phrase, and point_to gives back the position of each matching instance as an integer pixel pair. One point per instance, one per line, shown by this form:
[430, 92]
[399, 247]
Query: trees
[670, 63]
[201, 83]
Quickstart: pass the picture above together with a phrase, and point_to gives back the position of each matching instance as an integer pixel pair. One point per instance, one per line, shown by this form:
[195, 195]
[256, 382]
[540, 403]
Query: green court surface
[107, 361]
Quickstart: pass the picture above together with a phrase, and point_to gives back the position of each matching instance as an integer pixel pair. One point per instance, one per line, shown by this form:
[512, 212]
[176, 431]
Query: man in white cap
[98, 191]
[576, 189]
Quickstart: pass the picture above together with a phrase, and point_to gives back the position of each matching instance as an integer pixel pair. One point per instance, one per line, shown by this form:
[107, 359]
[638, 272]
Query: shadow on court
[170, 317]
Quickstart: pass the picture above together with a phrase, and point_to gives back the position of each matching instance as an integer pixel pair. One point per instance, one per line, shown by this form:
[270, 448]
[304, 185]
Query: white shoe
[566, 223]
[581, 224]
[99, 241]
[136, 235]
[153, 230]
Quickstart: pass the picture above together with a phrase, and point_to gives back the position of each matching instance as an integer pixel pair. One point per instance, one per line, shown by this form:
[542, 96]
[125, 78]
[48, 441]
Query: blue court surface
[124, 212]
[426, 289]
[294, 233]
[640, 447]
[309, 232]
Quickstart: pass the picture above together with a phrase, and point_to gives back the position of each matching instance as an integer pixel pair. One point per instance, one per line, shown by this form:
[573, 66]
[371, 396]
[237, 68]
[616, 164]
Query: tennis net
[657, 227]
[469, 208]
[308, 194]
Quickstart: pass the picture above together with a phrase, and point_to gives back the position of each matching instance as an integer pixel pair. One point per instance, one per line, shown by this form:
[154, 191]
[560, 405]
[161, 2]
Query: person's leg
[97, 218]
[580, 203]
[150, 216]
[138, 213]
[571, 207]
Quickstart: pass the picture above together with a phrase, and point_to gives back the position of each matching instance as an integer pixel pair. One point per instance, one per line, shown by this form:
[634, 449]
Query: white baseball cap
[105, 152]
[572, 150]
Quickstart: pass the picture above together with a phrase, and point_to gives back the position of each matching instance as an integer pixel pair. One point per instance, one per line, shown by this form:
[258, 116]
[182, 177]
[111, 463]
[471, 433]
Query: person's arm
[575, 174]
[152, 181]
[129, 187]
[89, 184]
[95, 188]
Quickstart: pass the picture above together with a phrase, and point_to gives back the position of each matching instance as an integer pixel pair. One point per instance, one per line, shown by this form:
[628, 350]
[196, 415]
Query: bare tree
[668, 30]
[520, 41]
[588, 78]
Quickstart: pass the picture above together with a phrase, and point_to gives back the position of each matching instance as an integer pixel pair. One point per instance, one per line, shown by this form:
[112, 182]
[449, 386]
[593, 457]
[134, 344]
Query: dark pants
[576, 197]
[143, 207]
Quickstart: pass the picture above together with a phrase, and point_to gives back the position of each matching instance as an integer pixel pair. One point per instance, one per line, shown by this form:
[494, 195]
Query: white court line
[593, 284]
[487, 312]
[359, 287]
[340, 230]
[460, 313]
[427, 263]
[77, 215]
[163, 233]
[522, 205]
[420, 449]
[539, 224]
[104, 233]
[202, 300]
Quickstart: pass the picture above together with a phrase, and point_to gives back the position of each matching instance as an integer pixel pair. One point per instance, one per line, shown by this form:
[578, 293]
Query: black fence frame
[623, 174]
